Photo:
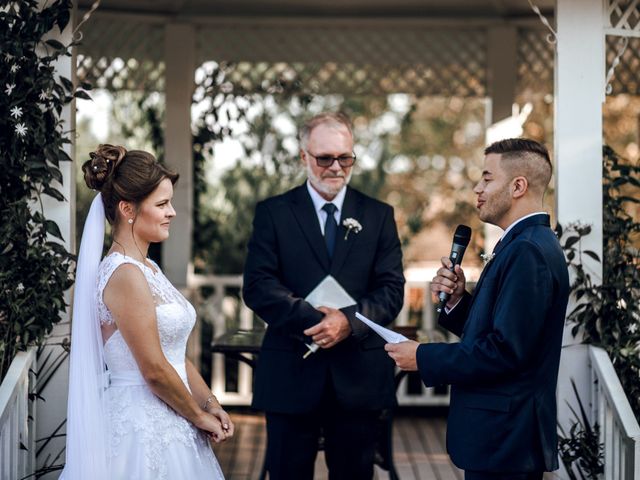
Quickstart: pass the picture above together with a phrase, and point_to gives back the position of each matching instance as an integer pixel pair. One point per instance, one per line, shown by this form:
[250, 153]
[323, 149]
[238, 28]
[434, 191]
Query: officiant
[321, 371]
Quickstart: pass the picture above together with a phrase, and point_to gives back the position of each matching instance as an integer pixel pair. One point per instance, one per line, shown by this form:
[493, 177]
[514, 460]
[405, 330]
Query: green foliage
[35, 268]
[139, 121]
[608, 314]
[432, 160]
[410, 154]
[223, 212]
[581, 451]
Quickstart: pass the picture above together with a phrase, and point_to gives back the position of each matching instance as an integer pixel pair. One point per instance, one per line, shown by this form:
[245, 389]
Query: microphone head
[462, 235]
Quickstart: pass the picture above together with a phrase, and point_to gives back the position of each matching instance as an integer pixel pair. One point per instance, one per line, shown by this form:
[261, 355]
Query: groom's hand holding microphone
[448, 284]
[449, 280]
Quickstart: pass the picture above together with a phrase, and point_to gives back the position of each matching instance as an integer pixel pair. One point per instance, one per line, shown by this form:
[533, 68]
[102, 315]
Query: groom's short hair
[325, 118]
[522, 156]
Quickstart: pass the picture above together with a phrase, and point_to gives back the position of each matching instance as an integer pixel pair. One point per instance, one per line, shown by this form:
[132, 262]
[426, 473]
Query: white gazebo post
[180, 47]
[579, 94]
[502, 67]
[52, 412]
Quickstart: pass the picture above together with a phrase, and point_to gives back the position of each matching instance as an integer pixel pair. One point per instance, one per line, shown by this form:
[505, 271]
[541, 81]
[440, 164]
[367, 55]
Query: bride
[137, 409]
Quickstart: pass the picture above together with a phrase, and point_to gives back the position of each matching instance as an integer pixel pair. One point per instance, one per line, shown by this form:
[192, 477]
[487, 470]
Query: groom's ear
[520, 185]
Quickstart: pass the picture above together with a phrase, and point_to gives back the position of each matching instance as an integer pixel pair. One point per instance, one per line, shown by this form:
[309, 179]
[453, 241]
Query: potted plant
[607, 314]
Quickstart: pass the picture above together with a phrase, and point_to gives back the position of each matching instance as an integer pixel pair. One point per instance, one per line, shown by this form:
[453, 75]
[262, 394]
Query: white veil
[87, 451]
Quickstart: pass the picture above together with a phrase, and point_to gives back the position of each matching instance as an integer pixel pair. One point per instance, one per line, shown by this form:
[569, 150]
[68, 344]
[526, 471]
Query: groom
[321, 228]
[503, 372]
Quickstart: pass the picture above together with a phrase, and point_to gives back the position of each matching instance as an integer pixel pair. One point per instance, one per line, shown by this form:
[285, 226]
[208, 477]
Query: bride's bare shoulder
[127, 285]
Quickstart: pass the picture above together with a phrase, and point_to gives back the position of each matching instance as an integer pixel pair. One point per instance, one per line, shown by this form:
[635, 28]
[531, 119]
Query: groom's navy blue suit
[287, 258]
[503, 372]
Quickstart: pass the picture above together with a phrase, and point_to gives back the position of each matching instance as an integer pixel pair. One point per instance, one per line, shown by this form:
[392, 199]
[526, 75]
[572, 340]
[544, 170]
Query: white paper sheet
[389, 335]
[329, 293]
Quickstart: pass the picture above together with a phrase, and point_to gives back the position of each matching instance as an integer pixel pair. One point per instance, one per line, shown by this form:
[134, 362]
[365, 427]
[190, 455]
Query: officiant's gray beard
[316, 182]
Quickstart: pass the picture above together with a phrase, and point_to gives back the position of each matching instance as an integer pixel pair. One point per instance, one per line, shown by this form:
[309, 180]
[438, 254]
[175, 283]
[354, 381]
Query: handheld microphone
[460, 241]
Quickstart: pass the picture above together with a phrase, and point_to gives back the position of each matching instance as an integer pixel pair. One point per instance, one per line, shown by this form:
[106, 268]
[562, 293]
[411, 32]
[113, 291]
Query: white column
[51, 412]
[180, 71]
[579, 94]
[502, 53]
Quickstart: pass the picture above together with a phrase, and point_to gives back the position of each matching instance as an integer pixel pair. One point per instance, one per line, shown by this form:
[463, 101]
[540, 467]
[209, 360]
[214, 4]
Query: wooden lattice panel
[353, 61]
[626, 77]
[624, 17]
[118, 74]
[127, 54]
[535, 61]
[122, 55]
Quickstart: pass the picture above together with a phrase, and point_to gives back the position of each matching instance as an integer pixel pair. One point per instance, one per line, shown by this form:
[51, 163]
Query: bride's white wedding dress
[149, 440]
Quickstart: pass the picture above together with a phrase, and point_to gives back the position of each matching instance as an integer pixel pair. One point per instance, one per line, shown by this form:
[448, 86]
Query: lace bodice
[175, 315]
[148, 439]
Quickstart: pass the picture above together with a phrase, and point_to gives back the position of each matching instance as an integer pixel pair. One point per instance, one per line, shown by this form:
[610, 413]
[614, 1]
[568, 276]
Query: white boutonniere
[351, 224]
[487, 257]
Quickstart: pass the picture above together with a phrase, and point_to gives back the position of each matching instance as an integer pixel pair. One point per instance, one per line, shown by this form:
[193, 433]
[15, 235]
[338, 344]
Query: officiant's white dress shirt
[319, 202]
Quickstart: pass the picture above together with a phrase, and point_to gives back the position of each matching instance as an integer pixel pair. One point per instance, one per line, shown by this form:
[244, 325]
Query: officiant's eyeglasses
[326, 161]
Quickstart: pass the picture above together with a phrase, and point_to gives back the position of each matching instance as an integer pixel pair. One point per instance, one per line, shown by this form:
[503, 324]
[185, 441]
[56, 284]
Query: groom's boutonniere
[351, 224]
[487, 257]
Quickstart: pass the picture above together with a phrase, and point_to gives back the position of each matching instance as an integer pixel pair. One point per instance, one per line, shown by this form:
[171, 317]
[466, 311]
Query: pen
[312, 348]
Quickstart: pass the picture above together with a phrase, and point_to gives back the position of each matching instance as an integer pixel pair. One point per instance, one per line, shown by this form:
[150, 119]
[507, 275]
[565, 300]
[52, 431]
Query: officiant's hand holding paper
[404, 354]
[328, 297]
[331, 330]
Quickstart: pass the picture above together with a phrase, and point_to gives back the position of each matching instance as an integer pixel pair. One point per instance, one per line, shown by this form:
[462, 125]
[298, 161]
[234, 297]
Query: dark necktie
[496, 247]
[330, 227]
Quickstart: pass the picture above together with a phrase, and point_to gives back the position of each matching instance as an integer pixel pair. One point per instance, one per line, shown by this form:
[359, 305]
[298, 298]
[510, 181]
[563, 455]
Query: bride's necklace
[124, 252]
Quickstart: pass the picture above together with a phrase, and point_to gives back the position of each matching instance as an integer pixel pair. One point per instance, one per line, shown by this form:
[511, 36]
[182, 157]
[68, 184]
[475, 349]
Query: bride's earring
[130, 221]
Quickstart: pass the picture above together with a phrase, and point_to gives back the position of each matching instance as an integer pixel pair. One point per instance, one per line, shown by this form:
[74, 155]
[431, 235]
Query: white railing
[17, 418]
[224, 312]
[418, 310]
[619, 429]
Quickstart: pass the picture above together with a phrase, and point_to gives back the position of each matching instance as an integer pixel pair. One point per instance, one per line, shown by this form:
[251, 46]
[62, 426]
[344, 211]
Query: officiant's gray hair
[324, 118]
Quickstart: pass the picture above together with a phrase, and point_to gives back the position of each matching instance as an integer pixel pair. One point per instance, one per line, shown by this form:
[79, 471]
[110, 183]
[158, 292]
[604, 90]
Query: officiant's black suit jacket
[287, 258]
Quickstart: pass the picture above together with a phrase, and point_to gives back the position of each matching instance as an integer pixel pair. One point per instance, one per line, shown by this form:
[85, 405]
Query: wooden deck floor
[418, 443]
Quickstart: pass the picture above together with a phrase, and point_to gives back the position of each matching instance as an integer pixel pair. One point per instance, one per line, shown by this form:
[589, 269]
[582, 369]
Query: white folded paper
[328, 293]
[389, 335]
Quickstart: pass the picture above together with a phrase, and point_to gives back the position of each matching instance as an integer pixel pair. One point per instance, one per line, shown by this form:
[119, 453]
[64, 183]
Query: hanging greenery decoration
[35, 267]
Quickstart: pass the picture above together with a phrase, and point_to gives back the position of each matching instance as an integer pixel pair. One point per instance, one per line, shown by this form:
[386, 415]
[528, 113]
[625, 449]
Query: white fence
[221, 308]
[17, 418]
[619, 430]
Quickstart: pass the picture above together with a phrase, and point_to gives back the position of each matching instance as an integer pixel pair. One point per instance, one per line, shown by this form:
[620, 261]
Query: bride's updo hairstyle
[120, 175]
